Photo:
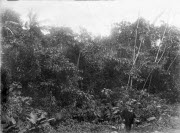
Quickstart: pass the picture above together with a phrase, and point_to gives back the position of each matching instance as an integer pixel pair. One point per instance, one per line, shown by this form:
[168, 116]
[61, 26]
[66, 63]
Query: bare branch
[172, 62]
[134, 54]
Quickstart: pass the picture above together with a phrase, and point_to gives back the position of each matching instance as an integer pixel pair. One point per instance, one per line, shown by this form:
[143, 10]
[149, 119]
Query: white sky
[97, 16]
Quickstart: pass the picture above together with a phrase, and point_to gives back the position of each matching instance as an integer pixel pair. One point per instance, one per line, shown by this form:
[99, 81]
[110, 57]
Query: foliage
[88, 78]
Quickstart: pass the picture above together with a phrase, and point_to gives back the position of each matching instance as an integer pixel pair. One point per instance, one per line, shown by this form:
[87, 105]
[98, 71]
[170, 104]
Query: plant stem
[134, 54]
[172, 62]
[78, 60]
[147, 78]
[157, 56]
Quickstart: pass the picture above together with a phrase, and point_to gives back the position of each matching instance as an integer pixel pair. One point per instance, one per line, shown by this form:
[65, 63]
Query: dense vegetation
[77, 78]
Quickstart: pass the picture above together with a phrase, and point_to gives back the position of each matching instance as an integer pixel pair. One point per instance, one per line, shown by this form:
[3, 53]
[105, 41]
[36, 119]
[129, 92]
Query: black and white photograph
[90, 66]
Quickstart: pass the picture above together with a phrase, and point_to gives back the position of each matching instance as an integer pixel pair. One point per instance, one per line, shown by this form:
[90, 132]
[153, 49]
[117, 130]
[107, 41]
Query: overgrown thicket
[86, 78]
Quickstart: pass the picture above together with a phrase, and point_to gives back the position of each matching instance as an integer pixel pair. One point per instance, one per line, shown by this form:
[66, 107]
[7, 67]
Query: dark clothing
[129, 118]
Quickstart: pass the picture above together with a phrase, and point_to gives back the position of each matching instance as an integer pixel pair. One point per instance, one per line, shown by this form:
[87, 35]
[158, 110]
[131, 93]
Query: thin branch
[78, 59]
[160, 45]
[138, 52]
[129, 78]
[157, 17]
[147, 79]
[134, 54]
[161, 55]
[163, 51]
[9, 30]
[172, 62]
[157, 56]
[136, 38]
[150, 82]
[142, 41]
[162, 41]
[135, 62]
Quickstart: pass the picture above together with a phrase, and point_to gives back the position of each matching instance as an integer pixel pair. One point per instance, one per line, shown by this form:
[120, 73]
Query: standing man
[128, 117]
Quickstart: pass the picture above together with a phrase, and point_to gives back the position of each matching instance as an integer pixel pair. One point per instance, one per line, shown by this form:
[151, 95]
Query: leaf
[33, 118]
[151, 118]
